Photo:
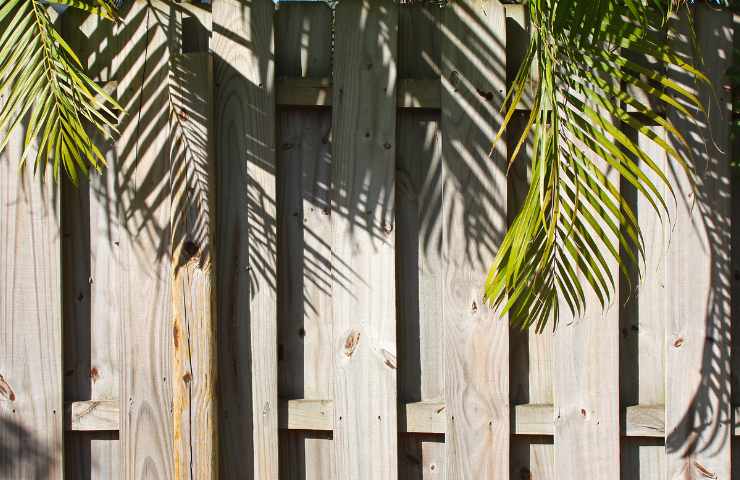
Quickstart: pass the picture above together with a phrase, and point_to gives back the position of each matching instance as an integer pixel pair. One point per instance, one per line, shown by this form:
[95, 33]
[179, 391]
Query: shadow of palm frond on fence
[164, 151]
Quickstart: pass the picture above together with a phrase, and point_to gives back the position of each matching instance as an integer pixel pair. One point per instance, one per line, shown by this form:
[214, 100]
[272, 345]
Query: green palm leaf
[584, 119]
[47, 91]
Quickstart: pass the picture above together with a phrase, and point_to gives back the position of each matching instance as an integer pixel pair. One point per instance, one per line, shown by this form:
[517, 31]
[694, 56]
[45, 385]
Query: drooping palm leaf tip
[45, 89]
[574, 219]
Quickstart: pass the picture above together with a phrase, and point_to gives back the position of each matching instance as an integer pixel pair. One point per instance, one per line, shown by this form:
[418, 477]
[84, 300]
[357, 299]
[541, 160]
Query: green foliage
[47, 90]
[574, 218]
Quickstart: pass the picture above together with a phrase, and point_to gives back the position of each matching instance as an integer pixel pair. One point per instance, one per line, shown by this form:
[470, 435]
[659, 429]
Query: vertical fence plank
[586, 379]
[586, 390]
[363, 174]
[476, 385]
[243, 45]
[419, 245]
[91, 262]
[419, 281]
[531, 353]
[303, 36]
[143, 201]
[30, 321]
[644, 313]
[192, 180]
[586, 385]
[698, 337]
[477, 341]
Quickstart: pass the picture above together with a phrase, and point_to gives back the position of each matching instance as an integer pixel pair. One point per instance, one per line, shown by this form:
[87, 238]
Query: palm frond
[47, 91]
[575, 228]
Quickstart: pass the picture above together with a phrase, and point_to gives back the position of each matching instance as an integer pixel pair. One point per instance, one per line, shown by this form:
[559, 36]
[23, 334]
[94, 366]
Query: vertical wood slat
[143, 201]
[303, 32]
[420, 278]
[531, 353]
[644, 312]
[586, 382]
[194, 342]
[586, 387]
[30, 321]
[363, 174]
[419, 245]
[91, 265]
[244, 66]
[586, 373]
[698, 336]
[477, 341]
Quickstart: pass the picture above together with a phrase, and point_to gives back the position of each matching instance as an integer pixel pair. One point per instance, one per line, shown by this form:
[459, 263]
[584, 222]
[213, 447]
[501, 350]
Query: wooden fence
[279, 273]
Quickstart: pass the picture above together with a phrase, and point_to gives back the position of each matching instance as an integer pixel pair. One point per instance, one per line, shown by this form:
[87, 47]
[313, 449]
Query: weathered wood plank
[363, 177]
[30, 321]
[425, 417]
[304, 92]
[92, 415]
[643, 324]
[531, 353]
[586, 378]
[698, 333]
[303, 33]
[420, 272]
[586, 382]
[419, 234]
[318, 92]
[306, 414]
[243, 48]
[477, 341]
[141, 66]
[645, 421]
[192, 179]
[533, 419]
[91, 262]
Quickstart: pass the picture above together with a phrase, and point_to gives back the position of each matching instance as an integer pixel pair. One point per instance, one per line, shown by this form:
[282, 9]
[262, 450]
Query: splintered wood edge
[420, 417]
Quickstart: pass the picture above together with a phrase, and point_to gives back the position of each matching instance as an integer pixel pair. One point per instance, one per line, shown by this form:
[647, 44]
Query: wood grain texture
[192, 177]
[643, 322]
[363, 224]
[306, 414]
[303, 32]
[244, 73]
[141, 66]
[586, 384]
[318, 92]
[476, 340]
[91, 266]
[92, 416]
[531, 353]
[419, 239]
[30, 321]
[698, 333]
[92, 300]
[586, 379]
